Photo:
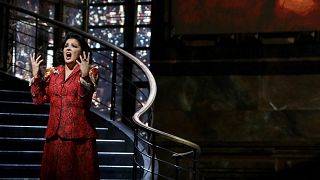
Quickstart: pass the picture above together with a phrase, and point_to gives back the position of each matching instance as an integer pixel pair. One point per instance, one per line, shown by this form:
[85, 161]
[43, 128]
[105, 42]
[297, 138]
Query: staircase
[128, 90]
[22, 127]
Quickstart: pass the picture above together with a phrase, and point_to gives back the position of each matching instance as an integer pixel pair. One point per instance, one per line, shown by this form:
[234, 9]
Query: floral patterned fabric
[69, 160]
[70, 149]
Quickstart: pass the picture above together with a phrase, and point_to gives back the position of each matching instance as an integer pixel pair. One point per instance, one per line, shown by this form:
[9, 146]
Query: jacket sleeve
[89, 83]
[39, 86]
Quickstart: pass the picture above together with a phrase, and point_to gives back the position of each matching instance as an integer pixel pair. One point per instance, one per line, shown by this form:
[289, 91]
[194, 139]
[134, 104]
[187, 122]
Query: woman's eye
[75, 46]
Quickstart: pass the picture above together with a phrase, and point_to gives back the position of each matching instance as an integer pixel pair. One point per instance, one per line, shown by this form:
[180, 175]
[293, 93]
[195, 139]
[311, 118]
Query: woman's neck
[68, 68]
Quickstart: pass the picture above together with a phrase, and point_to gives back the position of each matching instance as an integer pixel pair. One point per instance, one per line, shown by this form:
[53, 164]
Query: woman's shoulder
[94, 70]
[94, 75]
[50, 71]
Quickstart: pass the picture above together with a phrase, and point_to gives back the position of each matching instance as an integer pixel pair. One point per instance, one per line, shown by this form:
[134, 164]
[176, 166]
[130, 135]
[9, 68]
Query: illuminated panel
[105, 1]
[30, 5]
[302, 7]
[143, 37]
[144, 56]
[143, 14]
[112, 35]
[143, 0]
[106, 15]
[72, 16]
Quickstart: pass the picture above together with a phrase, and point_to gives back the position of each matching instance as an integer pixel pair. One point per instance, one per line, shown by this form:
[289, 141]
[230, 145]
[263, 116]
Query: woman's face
[71, 51]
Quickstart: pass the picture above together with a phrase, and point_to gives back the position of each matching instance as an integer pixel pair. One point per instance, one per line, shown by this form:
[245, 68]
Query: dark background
[241, 79]
[233, 16]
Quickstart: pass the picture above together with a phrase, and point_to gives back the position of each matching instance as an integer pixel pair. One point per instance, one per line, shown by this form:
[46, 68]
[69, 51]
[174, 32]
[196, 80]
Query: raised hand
[35, 64]
[84, 64]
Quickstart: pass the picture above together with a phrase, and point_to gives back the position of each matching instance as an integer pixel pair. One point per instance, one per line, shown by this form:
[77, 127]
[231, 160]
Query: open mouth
[68, 55]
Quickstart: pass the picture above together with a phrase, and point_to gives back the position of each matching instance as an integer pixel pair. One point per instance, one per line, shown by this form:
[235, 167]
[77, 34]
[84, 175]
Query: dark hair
[83, 44]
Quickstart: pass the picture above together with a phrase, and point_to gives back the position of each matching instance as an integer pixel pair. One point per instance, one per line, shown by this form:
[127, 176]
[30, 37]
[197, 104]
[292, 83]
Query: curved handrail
[151, 80]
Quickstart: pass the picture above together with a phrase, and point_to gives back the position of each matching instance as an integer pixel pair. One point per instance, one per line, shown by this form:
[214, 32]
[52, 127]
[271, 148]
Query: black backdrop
[242, 16]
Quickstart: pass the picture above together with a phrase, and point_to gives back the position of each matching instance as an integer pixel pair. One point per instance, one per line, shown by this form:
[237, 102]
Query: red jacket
[69, 100]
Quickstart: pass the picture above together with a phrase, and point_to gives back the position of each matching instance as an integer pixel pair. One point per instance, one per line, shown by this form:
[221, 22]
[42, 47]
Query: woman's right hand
[35, 64]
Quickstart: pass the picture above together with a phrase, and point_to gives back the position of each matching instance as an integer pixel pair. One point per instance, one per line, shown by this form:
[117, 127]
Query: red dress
[70, 147]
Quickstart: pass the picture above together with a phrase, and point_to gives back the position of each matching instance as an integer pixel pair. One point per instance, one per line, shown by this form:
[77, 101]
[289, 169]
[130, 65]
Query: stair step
[16, 144]
[24, 178]
[29, 119]
[32, 171]
[41, 120]
[36, 144]
[19, 170]
[23, 107]
[13, 95]
[24, 119]
[15, 131]
[120, 172]
[34, 157]
[116, 158]
[20, 157]
[35, 131]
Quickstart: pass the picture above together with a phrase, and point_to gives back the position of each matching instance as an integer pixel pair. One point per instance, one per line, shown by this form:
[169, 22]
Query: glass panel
[24, 44]
[105, 1]
[73, 16]
[51, 37]
[51, 11]
[31, 5]
[74, 2]
[102, 97]
[112, 35]
[143, 37]
[141, 100]
[143, 0]
[144, 56]
[143, 14]
[106, 15]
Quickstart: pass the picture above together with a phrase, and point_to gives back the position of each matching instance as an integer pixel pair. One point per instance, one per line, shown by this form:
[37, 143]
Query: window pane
[51, 11]
[105, 1]
[143, 37]
[143, 56]
[72, 16]
[74, 2]
[143, 0]
[112, 35]
[31, 5]
[143, 14]
[106, 15]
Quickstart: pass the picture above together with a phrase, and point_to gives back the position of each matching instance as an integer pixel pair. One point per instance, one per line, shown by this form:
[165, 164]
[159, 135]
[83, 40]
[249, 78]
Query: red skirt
[70, 160]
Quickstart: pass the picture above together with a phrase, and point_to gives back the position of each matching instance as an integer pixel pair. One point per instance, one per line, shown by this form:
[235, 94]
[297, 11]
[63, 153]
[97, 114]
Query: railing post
[36, 39]
[135, 153]
[194, 169]
[153, 142]
[85, 15]
[113, 85]
[177, 166]
[4, 37]
[128, 104]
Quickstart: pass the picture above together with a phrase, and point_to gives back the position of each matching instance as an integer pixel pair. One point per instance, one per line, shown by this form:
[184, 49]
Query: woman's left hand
[84, 64]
